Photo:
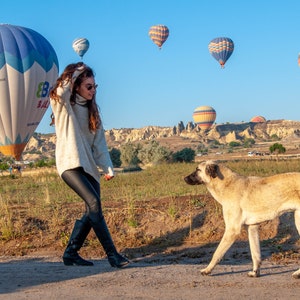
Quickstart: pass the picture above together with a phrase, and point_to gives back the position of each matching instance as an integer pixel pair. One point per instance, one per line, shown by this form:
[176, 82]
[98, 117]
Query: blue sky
[140, 85]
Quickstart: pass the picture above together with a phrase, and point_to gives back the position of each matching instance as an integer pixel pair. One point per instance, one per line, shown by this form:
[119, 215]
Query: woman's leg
[89, 190]
[80, 231]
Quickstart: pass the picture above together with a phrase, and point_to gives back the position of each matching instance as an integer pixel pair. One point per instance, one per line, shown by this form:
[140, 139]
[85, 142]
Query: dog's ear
[212, 170]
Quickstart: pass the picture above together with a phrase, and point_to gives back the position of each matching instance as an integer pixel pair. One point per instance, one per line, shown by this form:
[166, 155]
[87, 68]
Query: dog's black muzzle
[192, 179]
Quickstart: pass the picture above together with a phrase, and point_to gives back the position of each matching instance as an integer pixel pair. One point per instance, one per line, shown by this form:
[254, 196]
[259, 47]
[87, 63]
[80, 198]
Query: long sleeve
[76, 145]
[101, 153]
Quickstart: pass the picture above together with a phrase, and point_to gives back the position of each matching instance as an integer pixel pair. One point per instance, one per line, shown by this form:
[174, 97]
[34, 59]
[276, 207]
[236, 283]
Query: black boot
[114, 258]
[80, 231]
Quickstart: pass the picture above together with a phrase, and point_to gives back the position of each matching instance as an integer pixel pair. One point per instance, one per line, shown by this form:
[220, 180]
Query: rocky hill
[180, 136]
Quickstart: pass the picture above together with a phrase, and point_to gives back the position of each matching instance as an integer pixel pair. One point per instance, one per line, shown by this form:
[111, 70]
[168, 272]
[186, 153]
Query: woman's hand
[77, 72]
[108, 177]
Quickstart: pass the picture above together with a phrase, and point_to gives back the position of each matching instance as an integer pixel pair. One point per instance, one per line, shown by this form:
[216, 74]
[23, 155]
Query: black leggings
[88, 188]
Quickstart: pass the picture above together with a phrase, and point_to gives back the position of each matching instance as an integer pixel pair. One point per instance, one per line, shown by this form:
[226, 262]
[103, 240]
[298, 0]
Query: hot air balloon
[299, 59]
[81, 46]
[221, 49]
[159, 34]
[258, 119]
[28, 70]
[204, 117]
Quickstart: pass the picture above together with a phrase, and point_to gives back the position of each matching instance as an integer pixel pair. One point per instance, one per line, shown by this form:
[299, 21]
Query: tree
[185, 155]
[4, 166]
[5, 162]
[234, 144]
[248, 142]
[201, 148]
[115, 155]
[214, 144]
[274, 137]
[153, 152]
[129, 154]
[277, 148]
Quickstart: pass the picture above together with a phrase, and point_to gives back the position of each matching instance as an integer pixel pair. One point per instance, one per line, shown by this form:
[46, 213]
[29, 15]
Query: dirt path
[159, 277]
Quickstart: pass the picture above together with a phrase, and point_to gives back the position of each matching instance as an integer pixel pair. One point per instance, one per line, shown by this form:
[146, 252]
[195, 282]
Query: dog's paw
[205, 271]
[254, 273]
[296, 274]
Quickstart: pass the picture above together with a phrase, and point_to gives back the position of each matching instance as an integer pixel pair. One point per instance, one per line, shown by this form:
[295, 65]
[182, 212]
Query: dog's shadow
[265, 271]
[285, 238]
[167, 248]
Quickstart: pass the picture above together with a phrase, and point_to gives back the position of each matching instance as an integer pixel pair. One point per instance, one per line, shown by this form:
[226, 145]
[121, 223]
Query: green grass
[30, 205]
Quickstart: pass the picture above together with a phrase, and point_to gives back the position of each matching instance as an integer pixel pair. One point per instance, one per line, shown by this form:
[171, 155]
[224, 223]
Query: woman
[80, 148]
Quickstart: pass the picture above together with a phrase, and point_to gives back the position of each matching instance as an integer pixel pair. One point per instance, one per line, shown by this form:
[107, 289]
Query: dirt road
[159, 277]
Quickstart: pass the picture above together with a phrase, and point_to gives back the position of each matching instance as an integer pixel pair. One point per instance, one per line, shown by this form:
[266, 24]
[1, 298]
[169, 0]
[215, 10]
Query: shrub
[185, 155]
[129, 154]
[278, 148]
[115, 155]
[234, 144]
[274, 137]
[44, 163]
[153, 152]
[249, 142]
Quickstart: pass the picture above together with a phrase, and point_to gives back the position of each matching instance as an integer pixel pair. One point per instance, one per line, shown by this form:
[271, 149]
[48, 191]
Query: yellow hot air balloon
[159, 34]
[28, 70]
[204, 117]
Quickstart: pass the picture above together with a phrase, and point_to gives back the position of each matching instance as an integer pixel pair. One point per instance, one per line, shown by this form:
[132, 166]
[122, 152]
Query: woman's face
[87, 89]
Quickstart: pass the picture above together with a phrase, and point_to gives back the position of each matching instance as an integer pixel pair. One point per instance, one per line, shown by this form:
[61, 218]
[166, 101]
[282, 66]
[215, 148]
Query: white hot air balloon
[81, 46]
[28, 70]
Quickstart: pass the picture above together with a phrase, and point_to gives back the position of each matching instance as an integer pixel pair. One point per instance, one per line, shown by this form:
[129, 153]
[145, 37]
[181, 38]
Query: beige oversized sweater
[76, 145]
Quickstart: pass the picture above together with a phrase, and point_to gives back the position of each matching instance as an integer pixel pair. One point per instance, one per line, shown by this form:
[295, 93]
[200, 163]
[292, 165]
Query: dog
[247, 201]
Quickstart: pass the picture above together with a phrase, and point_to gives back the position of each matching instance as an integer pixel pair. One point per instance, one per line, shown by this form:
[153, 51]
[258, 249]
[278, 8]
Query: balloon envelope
[204, 117]
[81, 46]
[221, 49]
[258, 119]
[158, 34]
[28, 70]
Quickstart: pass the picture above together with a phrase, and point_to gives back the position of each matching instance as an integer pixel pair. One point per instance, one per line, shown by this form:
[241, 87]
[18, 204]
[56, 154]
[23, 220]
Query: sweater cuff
[110, 171]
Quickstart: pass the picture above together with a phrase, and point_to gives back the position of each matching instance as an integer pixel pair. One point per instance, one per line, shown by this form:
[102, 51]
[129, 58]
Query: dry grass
[147, 212]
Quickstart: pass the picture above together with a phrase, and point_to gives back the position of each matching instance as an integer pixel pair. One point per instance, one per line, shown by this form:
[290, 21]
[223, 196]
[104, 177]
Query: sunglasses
[91, 86]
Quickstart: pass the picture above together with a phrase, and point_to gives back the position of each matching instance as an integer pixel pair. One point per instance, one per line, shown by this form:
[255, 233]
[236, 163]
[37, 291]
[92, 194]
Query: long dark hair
[94, 116]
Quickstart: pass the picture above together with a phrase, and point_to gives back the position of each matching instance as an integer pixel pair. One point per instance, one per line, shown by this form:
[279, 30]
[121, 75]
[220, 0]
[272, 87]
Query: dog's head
[205, 171]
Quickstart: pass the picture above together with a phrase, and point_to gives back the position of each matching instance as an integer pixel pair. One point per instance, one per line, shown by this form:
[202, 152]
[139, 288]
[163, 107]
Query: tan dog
[247, 201]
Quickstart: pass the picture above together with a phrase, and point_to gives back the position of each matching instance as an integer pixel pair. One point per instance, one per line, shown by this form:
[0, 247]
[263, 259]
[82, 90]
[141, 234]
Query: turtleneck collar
[80, 100]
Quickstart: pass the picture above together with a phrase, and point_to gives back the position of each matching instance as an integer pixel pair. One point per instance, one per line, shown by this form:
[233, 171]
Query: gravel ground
[159, 277]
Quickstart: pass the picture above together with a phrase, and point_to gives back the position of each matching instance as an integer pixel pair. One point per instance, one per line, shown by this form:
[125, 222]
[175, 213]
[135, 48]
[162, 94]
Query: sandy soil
[167, 267]
[157, 277]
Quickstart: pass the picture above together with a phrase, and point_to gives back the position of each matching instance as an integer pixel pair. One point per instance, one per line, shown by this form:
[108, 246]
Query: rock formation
[43, 145]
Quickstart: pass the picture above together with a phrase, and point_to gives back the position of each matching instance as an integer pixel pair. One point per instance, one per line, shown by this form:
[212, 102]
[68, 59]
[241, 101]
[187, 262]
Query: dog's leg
[255, 250]
[297, 223]
[227, 240]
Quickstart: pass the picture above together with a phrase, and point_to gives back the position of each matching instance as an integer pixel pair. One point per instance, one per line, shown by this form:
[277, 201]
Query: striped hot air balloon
[258, 119]
[28, 70]
[204, 117]
[221, 49]
[159, 34]
[81, 46]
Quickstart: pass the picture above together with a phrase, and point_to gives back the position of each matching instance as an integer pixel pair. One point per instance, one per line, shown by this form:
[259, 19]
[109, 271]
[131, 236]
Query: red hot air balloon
[159, 34]
[258, 119]
[204, 117]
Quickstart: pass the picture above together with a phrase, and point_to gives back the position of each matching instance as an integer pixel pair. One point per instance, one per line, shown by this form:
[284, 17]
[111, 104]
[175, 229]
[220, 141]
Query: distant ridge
[179, 136]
